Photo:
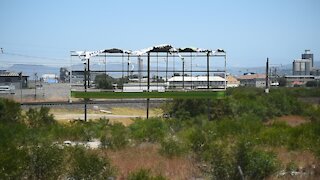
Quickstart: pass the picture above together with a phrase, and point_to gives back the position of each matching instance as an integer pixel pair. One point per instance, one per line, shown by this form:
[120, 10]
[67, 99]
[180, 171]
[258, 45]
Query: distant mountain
[29, 70]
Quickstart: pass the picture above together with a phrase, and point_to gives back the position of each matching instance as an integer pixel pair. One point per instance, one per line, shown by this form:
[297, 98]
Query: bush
[10, 111]
[87, 165]
[116, 137]
[45, 162]
[278, 134]
[255, 164]
[171, 147]
[149, 130]
[144, 174]
[37, 118]
[13, 162]
[222, 163]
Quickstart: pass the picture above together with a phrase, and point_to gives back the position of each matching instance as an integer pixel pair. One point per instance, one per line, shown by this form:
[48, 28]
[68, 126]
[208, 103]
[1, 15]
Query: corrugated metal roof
[11, 74]
[252, 76]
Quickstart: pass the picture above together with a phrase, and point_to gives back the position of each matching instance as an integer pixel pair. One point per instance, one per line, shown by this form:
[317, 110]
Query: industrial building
[64, 75]
[303, 70]
[198, 82]
[13, 79]
[302, 67]
[78, 77]
[143, 87]
[232, 82]
[253, 80]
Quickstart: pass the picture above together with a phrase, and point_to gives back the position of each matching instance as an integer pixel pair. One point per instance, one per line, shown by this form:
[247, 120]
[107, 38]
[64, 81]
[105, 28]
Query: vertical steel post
[167, 68]
[225, 71]
[208, 72]
[88, 73]
[208, 84]
[182, 74]
[85, 90]
[148, 88]
[128, 68]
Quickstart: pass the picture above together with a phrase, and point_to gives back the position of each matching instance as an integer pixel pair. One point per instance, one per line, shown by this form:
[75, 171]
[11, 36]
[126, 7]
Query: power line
[30, 56]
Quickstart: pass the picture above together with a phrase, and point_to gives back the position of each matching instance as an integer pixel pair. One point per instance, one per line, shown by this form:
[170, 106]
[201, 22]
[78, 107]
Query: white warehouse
[196, 82]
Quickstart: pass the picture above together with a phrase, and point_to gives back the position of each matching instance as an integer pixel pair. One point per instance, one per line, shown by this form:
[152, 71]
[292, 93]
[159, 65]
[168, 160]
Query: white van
[7, 89]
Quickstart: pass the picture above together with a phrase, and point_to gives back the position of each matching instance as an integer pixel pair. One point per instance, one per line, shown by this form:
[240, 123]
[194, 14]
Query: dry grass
[146, 156]
[304, 160]
[135, 111]
[291, 120]
[300, 158]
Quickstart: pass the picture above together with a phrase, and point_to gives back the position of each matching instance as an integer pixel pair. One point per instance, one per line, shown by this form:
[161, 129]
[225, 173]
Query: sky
[249, 30]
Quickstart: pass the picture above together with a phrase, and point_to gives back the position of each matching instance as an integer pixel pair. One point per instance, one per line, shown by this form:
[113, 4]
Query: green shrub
[116, 137]
[45, 162]
[10, 111]
[144, 174]
[222, 162]
[149, 130]
[171, 147]
[255, 164]
[13, 162]
[85, 164]
[37, 118]
[278, 134]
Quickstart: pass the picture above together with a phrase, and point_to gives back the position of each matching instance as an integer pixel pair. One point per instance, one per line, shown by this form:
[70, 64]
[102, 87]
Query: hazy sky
[249, 30]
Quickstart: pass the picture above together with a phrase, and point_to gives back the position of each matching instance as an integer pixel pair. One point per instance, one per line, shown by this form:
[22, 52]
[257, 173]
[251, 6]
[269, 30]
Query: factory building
[198, 82]
[13, 79]
[302, 67]
[253, 80]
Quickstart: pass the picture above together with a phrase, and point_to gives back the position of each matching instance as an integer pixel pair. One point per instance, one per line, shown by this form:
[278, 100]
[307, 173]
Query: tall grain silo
[308, 55]
[302, 67]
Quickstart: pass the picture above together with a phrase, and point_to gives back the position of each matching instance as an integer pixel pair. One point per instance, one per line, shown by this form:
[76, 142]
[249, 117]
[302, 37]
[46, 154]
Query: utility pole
[85, 90]
[267, 76]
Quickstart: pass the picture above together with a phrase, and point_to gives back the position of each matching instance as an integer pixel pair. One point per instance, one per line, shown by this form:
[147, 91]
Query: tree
[104, 81]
